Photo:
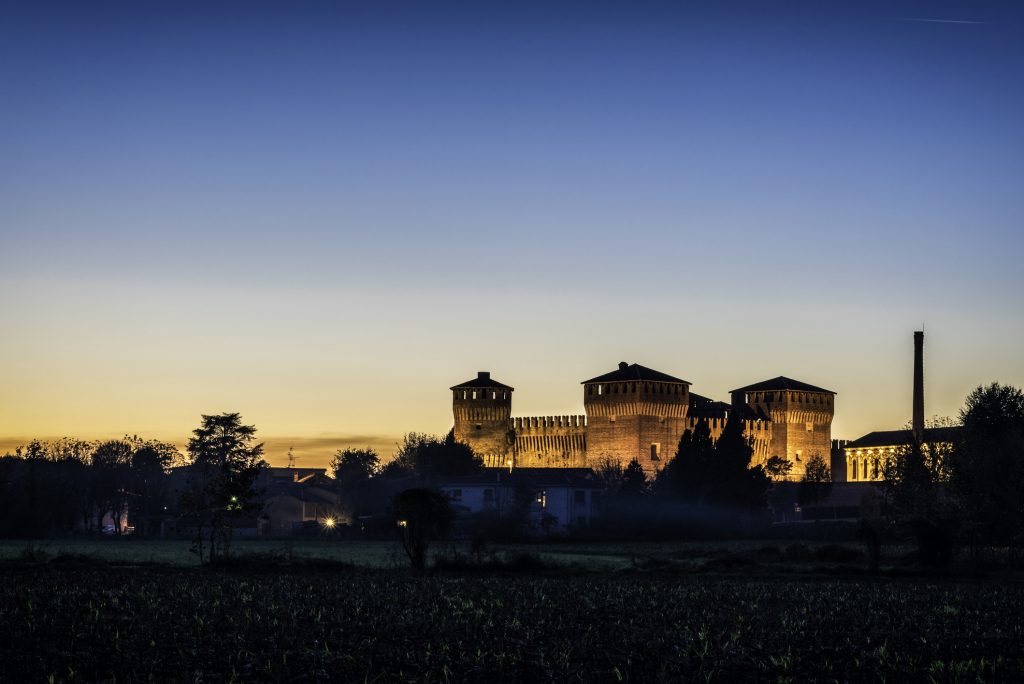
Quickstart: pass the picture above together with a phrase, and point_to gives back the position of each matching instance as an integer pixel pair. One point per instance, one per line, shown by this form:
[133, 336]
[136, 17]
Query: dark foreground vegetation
[79, 621]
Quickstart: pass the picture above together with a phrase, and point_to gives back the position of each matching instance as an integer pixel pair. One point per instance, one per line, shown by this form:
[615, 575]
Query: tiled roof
[482, 380]
[627, 373]
[782, 383]
[884, 438]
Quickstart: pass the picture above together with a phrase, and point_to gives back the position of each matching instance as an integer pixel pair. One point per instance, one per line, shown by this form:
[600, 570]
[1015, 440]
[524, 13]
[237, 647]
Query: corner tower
[483, 417]
[634, 412]
[801, 419]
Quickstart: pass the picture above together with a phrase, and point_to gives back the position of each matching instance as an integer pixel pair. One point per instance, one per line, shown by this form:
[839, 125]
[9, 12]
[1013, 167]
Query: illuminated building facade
[634, 412]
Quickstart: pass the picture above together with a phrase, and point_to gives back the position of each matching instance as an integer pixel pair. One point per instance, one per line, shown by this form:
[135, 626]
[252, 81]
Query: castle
[635, 412]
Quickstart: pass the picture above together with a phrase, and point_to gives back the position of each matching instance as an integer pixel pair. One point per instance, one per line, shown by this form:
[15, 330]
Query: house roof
[535, 477]
[885, 438]
[782, 383]
[482, 379]
[627, 372]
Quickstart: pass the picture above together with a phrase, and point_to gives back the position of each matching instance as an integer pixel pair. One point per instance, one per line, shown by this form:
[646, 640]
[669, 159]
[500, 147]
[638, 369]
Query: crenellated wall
[550, 441]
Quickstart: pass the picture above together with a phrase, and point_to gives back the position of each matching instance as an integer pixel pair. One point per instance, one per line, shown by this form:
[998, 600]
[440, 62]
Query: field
[635, 613]
[387, 554]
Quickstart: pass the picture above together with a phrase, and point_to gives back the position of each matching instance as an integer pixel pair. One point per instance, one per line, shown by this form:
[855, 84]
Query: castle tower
[801, 419]
[483, 417]
[634, 412]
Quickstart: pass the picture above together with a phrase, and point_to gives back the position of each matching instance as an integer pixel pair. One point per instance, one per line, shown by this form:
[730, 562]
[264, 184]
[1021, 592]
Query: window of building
[655, 450]
[611, 419]
[474, 394]
[479, 427]
[600, 389]
[798, 455]
[542, 498]
[810, 427]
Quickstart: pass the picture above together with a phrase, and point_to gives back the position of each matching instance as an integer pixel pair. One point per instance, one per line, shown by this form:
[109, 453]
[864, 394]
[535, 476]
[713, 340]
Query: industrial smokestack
[918, 419]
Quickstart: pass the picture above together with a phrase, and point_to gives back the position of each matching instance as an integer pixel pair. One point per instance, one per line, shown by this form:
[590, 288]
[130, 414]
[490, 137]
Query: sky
[322, 215]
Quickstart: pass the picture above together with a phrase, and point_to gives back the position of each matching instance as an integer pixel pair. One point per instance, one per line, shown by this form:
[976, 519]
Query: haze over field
[323, 216]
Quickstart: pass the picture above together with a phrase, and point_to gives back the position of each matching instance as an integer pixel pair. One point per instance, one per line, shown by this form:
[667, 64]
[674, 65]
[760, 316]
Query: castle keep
[636, 412]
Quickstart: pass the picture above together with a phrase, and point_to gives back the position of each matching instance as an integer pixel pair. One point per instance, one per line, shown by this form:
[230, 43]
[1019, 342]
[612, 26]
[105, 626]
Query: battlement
[532, 423]
[550, 441]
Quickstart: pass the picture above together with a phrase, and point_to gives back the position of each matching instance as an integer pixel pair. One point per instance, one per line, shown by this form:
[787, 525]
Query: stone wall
[550, 442]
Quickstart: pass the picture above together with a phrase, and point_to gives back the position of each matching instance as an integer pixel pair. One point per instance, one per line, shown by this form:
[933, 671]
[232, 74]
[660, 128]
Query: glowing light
[403, 523]
[330, 522]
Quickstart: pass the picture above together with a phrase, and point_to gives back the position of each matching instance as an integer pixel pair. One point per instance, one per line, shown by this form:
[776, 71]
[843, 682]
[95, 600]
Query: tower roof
[482, 379]
[782, 383]
[627, 373]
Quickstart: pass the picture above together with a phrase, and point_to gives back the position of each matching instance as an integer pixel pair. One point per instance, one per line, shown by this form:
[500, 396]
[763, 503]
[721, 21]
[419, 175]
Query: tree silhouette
[987, 466]
[815, 484]
[225, 463]
[352, 470]
[421, 515]
[432, 457]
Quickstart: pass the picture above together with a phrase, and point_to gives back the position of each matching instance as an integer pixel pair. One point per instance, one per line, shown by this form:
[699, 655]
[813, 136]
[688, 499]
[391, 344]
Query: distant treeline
[54, 488]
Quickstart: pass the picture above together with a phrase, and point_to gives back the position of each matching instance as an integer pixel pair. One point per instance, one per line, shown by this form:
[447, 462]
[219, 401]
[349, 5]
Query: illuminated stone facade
[866, 457]
[636, 412]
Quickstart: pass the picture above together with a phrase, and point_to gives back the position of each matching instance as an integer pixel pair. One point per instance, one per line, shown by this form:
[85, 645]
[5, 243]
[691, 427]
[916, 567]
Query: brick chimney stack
[918, 418]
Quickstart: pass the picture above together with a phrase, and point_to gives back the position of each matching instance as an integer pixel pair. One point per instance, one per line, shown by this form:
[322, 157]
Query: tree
[352, 470]
[111, 461]
[352, 466]
[431, 457]
[151, 462]
[705, 471]
[815, 484]
[987, 466]
[224, 465]
[422, 515]
[777, 468]
[634, 480]
[689, 471]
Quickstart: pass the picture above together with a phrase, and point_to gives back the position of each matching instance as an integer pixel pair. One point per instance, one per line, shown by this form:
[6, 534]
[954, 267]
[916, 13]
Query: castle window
[542, 498]
[655, 450]
[478, 426]
[611, 419]
[474, 394]
[600, 389]
[494, 395]
[810, 427]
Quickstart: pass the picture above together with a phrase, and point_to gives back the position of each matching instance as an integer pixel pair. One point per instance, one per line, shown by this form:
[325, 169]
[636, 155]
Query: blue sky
[322, 215]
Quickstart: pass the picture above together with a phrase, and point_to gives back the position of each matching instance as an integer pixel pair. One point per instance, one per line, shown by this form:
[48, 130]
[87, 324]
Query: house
[295, 498]
[552, 499]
